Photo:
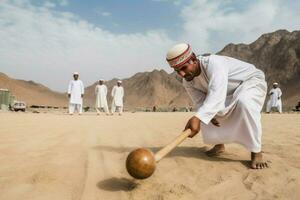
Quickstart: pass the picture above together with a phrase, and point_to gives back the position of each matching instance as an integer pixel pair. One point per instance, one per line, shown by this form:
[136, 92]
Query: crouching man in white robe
[228, 95]
[101, 101]
[275, 99]
[75, 94]
[117, 94]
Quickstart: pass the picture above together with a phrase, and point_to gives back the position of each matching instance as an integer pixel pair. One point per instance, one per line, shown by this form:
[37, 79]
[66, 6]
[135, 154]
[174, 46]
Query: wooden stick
[164, 151]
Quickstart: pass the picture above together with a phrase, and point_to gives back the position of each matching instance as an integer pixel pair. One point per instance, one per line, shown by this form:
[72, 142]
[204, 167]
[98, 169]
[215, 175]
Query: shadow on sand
[117, 184]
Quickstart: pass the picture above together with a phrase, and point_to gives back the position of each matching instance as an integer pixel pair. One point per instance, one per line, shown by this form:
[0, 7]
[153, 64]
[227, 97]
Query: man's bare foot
[257, 161]
[216, 150]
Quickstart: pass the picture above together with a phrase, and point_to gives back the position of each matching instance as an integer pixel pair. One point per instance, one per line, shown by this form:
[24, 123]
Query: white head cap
[75, 73]
[275, 83]
[179, 54]
[119, 81]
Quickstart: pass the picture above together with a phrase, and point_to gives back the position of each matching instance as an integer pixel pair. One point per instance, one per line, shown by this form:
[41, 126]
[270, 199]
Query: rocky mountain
[32, 93]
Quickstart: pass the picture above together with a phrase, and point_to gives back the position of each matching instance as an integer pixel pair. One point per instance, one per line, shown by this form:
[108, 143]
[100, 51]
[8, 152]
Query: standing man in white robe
[101, 101]
[275, 99]
[228, 95]
[75, 94]
[117, 94]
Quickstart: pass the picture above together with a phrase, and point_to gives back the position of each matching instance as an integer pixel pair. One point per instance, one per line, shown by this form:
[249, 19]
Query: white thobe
[101, 100]
[233, 92]
[275, 100]
[75, 89]
[117, 94]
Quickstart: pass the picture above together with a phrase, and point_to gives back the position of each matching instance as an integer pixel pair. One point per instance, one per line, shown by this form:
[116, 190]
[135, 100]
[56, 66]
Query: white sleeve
[96, 89]
[279, 92]
[105, 90]
[70, 87]
[82, 88]
[217, 89]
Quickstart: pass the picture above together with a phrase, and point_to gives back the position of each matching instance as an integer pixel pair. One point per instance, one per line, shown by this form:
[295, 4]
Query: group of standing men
[117, 94]
[76, 93]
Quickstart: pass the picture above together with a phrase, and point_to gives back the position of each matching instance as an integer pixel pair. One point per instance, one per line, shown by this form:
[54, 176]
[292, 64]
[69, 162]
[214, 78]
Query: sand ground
[55, 156]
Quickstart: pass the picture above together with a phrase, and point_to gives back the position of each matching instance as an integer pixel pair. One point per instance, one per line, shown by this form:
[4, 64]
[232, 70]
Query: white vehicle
[18, 105]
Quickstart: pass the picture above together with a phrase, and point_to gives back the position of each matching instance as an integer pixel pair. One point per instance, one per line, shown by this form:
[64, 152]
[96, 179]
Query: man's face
[119, 84]
[100, 82]
[75, 77]
[275, 86]
[189, 70]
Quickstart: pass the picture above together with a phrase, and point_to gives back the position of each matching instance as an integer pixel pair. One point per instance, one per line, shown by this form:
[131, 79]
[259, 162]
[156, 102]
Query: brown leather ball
[140, 163]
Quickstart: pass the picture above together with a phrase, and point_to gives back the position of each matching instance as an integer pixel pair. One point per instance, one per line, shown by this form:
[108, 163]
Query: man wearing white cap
[228, 95]
[117, 94]
[101, 101]
[75, 94]
[275, 99]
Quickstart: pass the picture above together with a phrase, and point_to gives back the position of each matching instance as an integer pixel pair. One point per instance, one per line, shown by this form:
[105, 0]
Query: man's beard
[189, 77]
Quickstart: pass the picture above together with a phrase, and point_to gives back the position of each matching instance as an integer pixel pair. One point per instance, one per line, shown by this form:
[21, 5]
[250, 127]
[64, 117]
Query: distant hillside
[32, 93]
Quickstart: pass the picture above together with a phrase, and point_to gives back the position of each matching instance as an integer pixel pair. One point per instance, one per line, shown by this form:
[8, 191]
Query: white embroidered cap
[179, 54]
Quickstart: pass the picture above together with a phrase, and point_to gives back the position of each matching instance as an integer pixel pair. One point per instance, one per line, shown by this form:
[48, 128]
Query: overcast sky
[45, 41]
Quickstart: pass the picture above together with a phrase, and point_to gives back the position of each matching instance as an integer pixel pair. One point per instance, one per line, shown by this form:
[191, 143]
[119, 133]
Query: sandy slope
[56, 156]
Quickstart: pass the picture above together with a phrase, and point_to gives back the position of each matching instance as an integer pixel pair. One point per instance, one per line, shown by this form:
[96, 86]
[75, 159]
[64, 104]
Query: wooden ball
[140, 163]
